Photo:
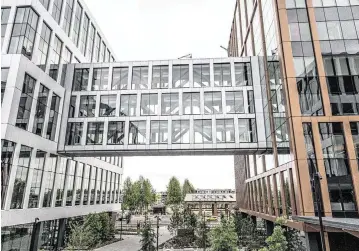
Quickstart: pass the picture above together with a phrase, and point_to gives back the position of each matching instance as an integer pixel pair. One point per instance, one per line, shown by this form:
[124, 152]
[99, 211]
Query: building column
[313, 241]
[35, 236]
[226, 209]
[269, 226]
[200, 208]
[215, 209]
[61, 233]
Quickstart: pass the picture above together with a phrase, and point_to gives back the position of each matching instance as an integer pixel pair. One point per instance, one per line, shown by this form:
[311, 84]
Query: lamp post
[158, 226]
[121, 225]
[318, 197]
[204, 231]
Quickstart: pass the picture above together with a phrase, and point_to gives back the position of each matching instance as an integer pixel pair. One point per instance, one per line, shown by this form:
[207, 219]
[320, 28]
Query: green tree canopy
[128, 196]
[187, 188]
[174, 195]
[224, 236]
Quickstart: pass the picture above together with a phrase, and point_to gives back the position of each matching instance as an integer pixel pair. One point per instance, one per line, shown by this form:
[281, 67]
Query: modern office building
[315, 84]
[41, 189]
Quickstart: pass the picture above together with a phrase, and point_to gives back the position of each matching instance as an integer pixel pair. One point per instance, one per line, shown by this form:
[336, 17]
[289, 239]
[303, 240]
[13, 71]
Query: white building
[40, 189]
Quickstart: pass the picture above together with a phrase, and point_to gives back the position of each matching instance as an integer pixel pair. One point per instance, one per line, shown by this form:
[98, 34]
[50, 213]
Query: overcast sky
[167, 29]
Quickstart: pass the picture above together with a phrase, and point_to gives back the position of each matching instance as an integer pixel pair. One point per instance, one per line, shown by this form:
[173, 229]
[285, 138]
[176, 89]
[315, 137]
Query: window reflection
[225, 131]
[160, 77]
[180, 76]
[137, 134]
[95, 133]
[191, 103]
[222, 75]
[201, 77]
[212, 102]
[149, 104]
[139, 78]
[159, 132]
[180, 131]
[120, 78]
[170, 104]
[203, 131]
[128, 105]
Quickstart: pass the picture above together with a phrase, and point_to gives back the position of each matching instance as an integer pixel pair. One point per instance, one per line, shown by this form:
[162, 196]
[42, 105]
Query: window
[103, 187]
[234, 102]
[103, 52]
[86, 182]
[242, 72]
[26, 99]
[84, 34]
[49, 174]
[66, 59]
[100, 79]
[222, 75]
[44, 46]
[116, 133]
[94, 133]
[4, 75]
[212, 102]
[91, 43]
[225, 131]
[25, 230]
[22, 170]
[38, 170]
[93, 184]
[108, 105]
[247, 130]
[203, 131]
[74, 133]
[87, 106]
[56, 10]
[108, 189]
[191, 103]
[149, 104]
[128, 104]
[68, 16]
[180, 132]
[120, 78]
[70, 181]
[45, 3]
[7, 155]
[5, 12]
[180, 76]
[159, 132]
[60, 181]
[22, 42]
[281, 130]
[170, 104]
[201, 77]
[97, 48]
[137, 134]
[81, 78]
[98, 185]
[139, 78]
[55, 58]
[77, 24]
[108, 53]
[54, 115]
[78, 182]
[40, 110]
[160, 76]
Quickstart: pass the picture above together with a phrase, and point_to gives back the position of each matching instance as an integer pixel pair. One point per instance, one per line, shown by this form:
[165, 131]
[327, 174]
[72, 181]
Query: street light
[158, 226]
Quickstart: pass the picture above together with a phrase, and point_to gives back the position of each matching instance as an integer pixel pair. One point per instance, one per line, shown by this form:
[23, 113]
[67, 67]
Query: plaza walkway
[132, 242]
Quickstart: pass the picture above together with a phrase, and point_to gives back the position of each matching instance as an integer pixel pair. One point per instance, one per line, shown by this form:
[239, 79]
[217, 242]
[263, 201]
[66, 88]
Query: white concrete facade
[105, 198]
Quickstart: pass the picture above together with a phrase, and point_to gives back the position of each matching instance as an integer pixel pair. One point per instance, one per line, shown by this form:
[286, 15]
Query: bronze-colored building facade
[310, 75]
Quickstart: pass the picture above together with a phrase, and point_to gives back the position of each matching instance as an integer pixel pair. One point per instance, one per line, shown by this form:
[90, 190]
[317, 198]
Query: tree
[147, 237]
[224, 237]
[187, 188]
[189, 219]
[174, 195]
[277, 241]
[176, 220]
[202, 234]
[128, 196]
[80, 237]
[294, 241]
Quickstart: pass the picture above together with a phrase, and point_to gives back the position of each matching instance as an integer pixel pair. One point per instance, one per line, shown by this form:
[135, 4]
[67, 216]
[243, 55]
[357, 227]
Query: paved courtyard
[132, 242]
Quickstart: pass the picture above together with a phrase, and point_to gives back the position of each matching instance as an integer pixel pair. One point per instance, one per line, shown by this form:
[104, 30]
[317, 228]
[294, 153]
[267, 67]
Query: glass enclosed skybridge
[170, 107]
